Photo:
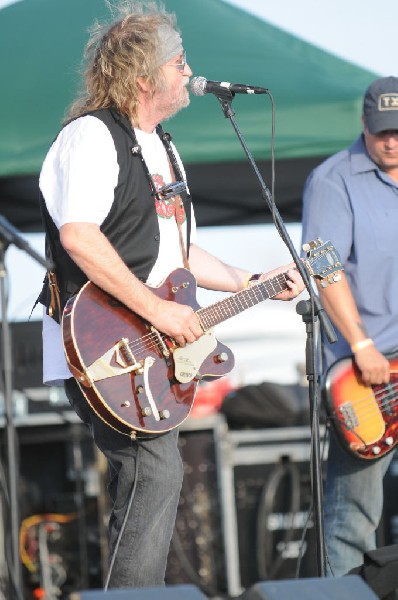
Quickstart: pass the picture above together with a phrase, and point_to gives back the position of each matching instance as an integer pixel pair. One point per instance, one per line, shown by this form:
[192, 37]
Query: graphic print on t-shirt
[166, 209]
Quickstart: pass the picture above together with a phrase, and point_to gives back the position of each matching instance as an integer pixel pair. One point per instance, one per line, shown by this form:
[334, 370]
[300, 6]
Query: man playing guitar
[352, 198]
[118, 215]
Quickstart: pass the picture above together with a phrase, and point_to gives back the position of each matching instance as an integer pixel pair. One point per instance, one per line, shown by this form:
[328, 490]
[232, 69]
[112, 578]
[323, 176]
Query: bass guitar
[365, 418]
[137, 379]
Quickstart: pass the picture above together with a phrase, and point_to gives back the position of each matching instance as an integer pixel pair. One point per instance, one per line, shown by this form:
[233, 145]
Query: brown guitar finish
[94, 321]
[137, 379]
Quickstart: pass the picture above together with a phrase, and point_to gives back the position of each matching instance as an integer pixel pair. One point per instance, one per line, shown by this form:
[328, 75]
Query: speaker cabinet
[61, 527]
[266, 496]
[176, 592]
[351, 587]
[196, 554]
[27, 354]
[241, 518]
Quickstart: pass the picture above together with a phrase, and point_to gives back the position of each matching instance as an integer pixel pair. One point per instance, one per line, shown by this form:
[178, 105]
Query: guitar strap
[179, 216]
[50, 282]
[176, 201]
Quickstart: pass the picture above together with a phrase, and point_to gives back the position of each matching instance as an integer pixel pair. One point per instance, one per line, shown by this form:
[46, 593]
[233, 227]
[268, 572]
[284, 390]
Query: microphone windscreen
[197, 86]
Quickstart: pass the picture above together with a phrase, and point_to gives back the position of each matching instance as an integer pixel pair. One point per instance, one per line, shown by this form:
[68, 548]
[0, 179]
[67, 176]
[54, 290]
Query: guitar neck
[220, 311]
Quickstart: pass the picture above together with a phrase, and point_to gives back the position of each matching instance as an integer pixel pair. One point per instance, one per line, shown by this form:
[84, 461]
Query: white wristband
[361, 345]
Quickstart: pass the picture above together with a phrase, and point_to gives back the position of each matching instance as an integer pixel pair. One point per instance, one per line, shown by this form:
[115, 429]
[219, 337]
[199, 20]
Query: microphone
[200, 86]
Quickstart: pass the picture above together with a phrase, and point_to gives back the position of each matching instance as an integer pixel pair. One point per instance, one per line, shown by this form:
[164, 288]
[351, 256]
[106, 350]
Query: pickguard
[188, 360]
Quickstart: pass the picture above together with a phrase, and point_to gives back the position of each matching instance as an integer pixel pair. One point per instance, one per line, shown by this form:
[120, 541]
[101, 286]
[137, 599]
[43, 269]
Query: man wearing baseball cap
[380, 106]
[352, 200]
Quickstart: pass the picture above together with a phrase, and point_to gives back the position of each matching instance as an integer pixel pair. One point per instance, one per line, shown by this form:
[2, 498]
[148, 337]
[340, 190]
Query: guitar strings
[150, 340]
[229, 307]
[388, 400]
[382, 398]
[380, 389]
[217, 309]
[388, 392]
[368, 415]
[385, 397]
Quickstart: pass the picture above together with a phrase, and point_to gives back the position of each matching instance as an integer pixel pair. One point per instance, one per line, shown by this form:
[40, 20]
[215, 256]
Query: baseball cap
[380, 105]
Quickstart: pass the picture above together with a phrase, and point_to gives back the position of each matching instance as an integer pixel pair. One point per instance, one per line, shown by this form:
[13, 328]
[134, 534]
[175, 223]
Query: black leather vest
[132, 223]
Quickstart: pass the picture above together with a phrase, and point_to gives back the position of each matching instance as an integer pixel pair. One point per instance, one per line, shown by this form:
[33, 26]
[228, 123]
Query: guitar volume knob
[222, 357]
[376, 450]
[389, 440]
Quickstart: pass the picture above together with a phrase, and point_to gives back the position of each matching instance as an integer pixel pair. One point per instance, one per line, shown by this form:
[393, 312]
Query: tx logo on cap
[388, 102]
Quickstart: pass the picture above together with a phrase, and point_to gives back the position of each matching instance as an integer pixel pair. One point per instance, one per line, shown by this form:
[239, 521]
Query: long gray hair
[117, 53]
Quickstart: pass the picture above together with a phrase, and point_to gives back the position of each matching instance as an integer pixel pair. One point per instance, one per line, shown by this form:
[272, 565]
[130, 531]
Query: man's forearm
[213, 274]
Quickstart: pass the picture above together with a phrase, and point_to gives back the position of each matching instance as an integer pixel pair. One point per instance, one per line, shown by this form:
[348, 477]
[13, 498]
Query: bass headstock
[323, 261]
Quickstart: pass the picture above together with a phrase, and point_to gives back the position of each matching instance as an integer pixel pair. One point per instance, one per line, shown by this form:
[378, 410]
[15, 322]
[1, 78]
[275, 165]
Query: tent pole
[14, 568]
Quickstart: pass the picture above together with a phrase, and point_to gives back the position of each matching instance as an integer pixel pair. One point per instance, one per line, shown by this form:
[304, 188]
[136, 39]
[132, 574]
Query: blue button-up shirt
[351, 202]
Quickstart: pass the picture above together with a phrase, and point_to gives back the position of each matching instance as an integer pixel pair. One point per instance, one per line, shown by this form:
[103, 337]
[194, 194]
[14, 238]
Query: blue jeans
[353, 506]
[154, 465]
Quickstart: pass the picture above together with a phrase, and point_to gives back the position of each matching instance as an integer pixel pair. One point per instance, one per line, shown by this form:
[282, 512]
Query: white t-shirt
[77, 180]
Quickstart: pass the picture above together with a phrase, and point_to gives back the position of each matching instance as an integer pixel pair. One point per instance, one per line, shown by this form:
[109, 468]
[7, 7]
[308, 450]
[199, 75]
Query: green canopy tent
[317, 98]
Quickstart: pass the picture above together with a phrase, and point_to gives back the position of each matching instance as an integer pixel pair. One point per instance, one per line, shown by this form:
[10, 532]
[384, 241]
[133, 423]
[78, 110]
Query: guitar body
[138, 380]
[127, 370]
[365, 418]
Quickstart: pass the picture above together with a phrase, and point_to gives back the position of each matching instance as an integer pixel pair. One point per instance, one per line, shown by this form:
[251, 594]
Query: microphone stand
[310, 312]
[10, 235]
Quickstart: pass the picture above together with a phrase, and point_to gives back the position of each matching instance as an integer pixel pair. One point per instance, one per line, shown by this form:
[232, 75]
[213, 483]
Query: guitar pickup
[389, 399]
[118, 360]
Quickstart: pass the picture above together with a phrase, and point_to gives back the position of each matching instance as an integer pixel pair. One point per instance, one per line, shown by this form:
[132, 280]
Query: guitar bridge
[125, 353]
[389, 395]
[349, 417]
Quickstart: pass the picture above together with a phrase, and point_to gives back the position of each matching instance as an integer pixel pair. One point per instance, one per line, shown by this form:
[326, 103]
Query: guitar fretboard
[220, 311]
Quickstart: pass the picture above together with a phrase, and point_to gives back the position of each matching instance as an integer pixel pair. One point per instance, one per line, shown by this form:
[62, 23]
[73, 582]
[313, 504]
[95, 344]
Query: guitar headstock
[323, 261]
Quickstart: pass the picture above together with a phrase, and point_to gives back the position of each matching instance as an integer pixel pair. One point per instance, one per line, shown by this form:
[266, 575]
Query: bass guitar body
[365, 418]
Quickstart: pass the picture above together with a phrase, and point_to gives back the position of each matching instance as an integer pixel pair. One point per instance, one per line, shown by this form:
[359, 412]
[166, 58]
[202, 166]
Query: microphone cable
[273, 208]
[126, 515]
[309, 515]
[267, 567]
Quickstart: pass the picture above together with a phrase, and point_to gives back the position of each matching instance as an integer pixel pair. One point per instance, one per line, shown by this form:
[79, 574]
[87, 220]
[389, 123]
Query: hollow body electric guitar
[136, 378]
[365, 418]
